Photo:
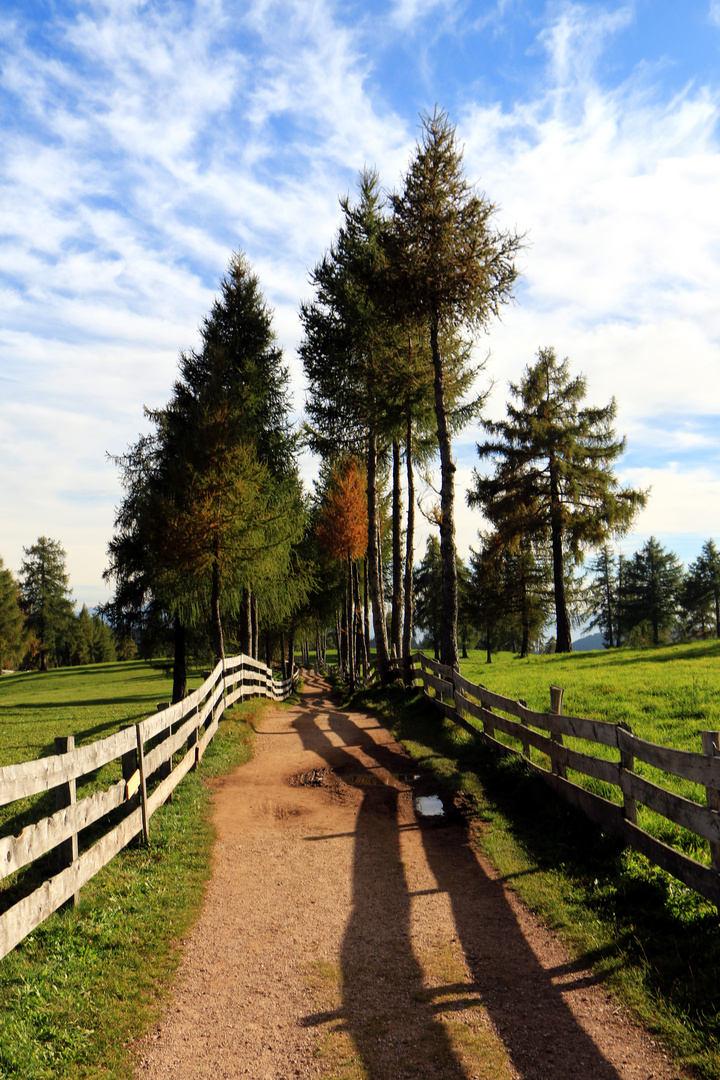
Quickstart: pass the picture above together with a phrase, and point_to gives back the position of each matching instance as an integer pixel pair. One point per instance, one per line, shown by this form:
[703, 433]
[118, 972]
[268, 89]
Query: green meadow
[667, 694]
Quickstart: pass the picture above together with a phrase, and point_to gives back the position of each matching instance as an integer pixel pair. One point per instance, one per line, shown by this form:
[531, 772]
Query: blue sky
[143, 142]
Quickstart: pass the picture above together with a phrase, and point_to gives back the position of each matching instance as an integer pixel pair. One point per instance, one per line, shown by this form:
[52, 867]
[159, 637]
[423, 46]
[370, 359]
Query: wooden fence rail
[461, 700]
[145, 751]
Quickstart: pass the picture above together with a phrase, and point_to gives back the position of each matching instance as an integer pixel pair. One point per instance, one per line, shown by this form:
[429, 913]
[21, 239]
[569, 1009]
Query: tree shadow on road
[387, 1007]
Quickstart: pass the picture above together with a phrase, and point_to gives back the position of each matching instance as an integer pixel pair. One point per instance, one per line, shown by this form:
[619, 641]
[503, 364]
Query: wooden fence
[460, 699]
[145, 752]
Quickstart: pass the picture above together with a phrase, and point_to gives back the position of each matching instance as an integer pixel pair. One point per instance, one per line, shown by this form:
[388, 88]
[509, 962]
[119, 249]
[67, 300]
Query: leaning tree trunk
[374, 578]
[397, 568]
[563, 640]
[448, 554]
[409, 554]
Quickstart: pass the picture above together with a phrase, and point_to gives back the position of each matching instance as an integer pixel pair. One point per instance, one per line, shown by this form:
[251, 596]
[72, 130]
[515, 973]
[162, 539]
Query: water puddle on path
[429, 806]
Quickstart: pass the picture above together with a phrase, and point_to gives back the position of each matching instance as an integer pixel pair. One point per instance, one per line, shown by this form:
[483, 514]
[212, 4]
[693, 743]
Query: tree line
[216, 542]
[643, 599]
[38, 624]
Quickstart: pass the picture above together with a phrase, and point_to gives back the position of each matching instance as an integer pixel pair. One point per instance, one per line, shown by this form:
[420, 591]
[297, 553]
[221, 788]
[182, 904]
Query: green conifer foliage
[12, 622]
[46, 597]
[553, 478]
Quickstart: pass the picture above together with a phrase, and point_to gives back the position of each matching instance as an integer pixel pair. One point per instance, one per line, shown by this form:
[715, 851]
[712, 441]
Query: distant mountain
[592, 641]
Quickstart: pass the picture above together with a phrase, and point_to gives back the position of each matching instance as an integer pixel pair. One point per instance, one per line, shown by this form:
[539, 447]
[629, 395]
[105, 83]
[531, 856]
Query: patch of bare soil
[344, 935]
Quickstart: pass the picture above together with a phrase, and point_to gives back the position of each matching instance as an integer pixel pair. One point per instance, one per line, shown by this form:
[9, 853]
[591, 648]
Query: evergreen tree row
[38, 625]
[648, 598]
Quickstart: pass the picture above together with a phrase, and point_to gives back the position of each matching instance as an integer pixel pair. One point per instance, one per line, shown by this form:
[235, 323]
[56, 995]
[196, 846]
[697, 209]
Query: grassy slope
[89, 981]
[654, 942]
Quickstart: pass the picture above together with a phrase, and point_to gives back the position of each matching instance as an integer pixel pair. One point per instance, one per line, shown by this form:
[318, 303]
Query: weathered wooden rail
[464, 701]
[146, 752]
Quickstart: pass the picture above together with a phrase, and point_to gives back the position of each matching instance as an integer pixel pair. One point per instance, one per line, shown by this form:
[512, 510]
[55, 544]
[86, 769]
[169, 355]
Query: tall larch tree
[451, 270]
[346, 351]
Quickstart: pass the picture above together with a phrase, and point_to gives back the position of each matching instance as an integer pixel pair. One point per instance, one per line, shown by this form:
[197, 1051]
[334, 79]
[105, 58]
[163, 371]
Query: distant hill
[592, 641]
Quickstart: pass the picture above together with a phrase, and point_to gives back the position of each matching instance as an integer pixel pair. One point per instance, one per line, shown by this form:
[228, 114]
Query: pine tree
[553, 477]
[213, 500]
[651, 589]
[347, 353]
[46, 597]
[448, 268]
[427, 584]
[603, 598]
[12, 622]
[706, 575]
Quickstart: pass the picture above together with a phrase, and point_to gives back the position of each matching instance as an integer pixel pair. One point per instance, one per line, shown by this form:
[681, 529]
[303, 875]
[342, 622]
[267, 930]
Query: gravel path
[341, 937]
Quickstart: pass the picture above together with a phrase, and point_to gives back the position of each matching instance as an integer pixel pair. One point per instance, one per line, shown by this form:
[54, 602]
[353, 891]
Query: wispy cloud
[143, 142]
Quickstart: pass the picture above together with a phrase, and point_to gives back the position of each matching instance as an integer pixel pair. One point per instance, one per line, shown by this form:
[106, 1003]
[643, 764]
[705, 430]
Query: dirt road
[344, 937]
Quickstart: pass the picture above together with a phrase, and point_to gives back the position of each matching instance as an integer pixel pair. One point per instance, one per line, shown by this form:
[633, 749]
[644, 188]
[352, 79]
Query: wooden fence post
[65, 795]
[556, 703]
[166, 767]
[627, 764]
[488, 729]
[143, 785]
[523, 721]
[711, 747]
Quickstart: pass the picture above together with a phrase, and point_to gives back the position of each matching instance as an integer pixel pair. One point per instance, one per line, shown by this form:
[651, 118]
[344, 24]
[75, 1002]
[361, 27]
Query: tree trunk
[350, 624]
[608, 598]
[179, 690]
[216, 622]
[254, 628]
[448, 555]
[283, 671]
[366, 605]
[361, 652]
[246, 635]
[291, 653]
[409, 553]
[524, 620]
[397, 594]
[373, 555]
[563, 640]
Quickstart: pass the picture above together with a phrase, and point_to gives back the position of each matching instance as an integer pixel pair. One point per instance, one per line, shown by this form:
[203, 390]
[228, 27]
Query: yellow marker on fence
[132, 785]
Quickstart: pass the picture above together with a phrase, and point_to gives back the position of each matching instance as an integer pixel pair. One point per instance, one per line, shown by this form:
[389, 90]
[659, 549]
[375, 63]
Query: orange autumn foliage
[342, 527]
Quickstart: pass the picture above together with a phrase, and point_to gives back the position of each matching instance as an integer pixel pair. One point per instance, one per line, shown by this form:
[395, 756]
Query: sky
[142, 142]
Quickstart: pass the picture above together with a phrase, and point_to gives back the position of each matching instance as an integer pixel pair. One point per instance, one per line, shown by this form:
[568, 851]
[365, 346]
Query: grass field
[668, 695]
[89, 981]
